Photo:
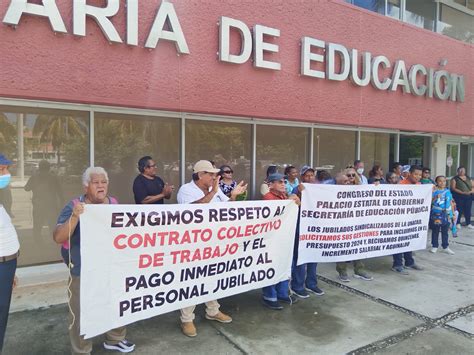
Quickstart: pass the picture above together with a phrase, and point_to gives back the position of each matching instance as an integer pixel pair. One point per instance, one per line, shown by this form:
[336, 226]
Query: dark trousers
[435, 229]
[398, 259]
[464, 205]
[7, 274]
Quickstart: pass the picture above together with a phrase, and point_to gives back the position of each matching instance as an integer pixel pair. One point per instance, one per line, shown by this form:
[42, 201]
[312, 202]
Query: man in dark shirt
[148, 188]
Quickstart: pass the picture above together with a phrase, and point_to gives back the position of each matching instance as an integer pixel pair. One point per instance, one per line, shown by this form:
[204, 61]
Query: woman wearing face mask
[9, 247]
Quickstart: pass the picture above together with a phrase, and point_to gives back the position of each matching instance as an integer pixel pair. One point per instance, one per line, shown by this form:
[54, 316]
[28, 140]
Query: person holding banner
[148, 188]
[303, 277]
[413, 178]
[348, 178]
[204, 188]
[279, 292]
[67, 233]
[9, 252]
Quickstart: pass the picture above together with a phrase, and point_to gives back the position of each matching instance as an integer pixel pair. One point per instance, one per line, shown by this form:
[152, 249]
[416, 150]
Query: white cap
[204, 165]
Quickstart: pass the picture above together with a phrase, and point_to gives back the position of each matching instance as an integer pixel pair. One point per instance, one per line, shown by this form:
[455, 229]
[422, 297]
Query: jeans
[444, 235]
[7, 274]
[398, 259]
[464, 205]
[274, 292]
[303, 275]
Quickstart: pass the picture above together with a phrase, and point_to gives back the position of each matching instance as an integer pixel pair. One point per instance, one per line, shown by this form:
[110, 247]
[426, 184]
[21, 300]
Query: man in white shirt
[204, 188]
[9, 247]
[359, 167]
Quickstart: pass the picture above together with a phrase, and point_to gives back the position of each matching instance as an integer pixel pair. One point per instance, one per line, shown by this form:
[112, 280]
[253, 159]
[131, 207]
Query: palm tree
[58, 129]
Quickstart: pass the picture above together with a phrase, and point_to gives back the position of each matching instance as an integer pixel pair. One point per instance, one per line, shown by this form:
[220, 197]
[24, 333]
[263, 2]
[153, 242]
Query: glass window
[377, 149]
[221, 142]
[121, 140]
[338, 155]
[50, 149]
[393, 9]
[415, 150]
[421, 13]
[372, 5]
[281, 146]
[452, 158]
[456, 24]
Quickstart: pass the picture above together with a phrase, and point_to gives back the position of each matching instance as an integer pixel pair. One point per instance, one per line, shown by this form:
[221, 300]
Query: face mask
[4, 180]
[360, 171]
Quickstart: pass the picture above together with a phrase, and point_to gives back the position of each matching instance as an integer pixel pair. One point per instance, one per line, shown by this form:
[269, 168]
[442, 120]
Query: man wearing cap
[148, 188]
[303, 277]
[279, 292]
[9, 248]
[405, 172]
[204, 188]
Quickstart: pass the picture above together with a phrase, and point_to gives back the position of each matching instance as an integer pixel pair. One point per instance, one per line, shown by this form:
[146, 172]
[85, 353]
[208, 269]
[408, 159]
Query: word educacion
[340, 62]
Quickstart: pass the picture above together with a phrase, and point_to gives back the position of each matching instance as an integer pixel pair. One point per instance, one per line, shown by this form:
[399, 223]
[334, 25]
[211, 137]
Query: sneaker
[301, 293]
[316, 290]
[272, 304]
[470, 226]
[290, 299]
[414, 267]
[433, 250]
[448, 251]
[344, 277]
[124, 346]
[400, 269]
[363, 275]
[188, 329]
[220, 317]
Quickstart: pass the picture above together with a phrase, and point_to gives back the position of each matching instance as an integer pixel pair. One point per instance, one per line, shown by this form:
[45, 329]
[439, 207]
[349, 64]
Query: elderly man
[204, 188]
[303, 277]
[148, 188]
[67, 232]
[279, 292]
[9, 247]
[341, 267]
[359, 168]
[413, 178]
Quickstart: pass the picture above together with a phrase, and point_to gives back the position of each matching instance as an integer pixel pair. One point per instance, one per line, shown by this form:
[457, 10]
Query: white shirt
[9, 244]
[190, 192]
[363, 180]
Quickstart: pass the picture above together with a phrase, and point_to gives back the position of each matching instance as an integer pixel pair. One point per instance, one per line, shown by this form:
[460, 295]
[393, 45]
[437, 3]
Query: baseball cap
[305, 168]
[406, 169]
[204, 166]
[275, 177]
[4, 160]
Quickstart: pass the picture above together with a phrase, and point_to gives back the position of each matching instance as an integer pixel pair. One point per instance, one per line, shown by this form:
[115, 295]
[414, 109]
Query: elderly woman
[227, 182]
[95, 182]
[264, 189]
[9, 247]
[462, 190]
[376, 175]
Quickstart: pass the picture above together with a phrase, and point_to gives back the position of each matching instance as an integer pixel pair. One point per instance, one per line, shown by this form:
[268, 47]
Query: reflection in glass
[376, 149]
[223, 143]
[372, 5]
[338, 155]
[456, 24]
[452, 154]
[281, 146]
[415, 150]
[421, 13]
[50, 149]
[121, 140]
[393, 9]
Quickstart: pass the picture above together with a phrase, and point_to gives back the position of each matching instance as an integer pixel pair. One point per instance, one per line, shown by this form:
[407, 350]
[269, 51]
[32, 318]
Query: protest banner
[139, 261]
[342, 222]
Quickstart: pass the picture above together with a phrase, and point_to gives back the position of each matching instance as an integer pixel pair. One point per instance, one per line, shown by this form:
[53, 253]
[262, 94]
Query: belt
[4, 259]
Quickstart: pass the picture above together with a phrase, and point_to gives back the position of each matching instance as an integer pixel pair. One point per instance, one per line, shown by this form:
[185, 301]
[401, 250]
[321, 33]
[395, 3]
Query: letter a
[166, 13]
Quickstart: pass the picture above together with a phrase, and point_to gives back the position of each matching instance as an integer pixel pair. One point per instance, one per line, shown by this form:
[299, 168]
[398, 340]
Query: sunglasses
[227, 171]
[350, 175]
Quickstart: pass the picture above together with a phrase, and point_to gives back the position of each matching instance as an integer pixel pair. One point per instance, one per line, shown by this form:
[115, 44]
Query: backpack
[439, 214]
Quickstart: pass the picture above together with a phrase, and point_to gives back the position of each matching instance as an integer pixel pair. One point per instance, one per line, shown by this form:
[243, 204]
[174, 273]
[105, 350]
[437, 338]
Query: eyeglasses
[151, 166]
[227, 171]
[350, 175]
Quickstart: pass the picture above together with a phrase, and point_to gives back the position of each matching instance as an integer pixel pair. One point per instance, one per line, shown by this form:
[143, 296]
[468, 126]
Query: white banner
[139, 261]
[342, 222]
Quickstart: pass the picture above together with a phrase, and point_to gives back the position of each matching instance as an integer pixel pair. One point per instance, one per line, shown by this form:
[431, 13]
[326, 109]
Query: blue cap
[275, 177]
[305, 168]
[4, 160]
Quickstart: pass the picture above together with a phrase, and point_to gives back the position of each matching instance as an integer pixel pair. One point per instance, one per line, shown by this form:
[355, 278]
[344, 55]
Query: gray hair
[93, 170]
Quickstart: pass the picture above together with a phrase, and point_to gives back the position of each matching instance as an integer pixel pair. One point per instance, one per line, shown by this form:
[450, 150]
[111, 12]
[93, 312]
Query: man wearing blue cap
[9, 248]
[279, 292]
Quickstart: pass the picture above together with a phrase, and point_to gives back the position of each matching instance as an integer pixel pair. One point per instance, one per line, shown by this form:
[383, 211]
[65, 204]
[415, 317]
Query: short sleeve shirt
[190, 192]
[143, 187]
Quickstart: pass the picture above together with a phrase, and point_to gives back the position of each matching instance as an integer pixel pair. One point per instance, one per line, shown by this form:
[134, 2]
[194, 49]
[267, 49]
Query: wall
[36, 63]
